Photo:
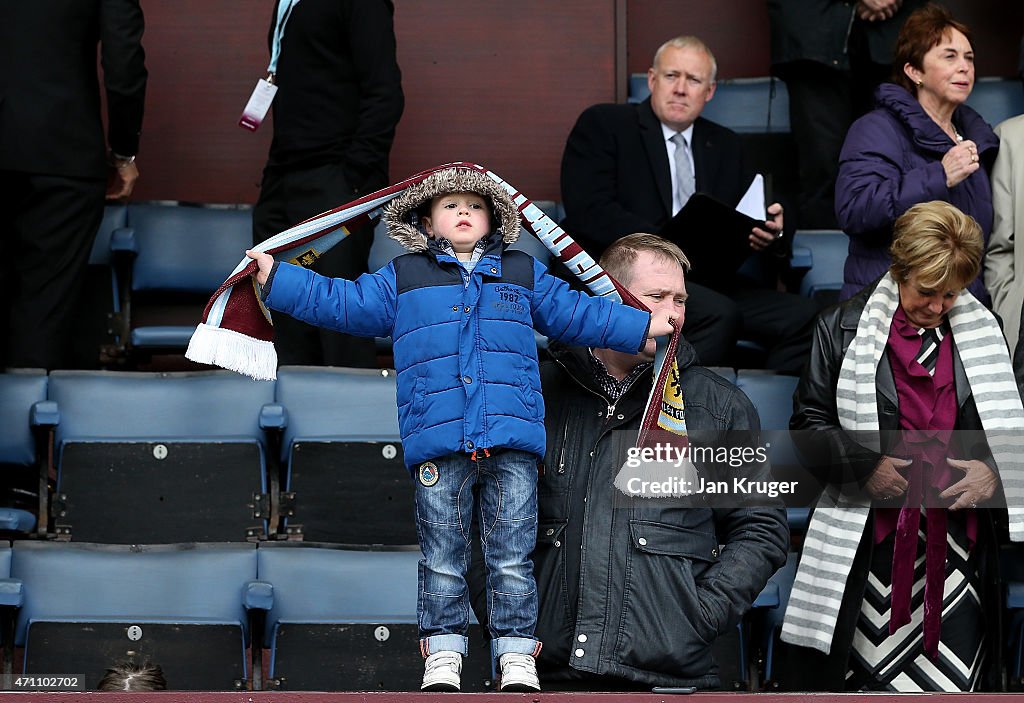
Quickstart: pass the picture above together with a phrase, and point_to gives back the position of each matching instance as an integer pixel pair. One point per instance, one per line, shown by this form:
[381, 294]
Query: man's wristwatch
[118, 161]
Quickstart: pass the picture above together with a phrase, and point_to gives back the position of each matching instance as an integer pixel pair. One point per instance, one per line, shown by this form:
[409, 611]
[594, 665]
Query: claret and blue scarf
[236, 332]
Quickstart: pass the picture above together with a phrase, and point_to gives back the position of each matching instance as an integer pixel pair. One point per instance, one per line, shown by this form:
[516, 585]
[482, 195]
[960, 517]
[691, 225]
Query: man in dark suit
[630, 168]
[54, 164]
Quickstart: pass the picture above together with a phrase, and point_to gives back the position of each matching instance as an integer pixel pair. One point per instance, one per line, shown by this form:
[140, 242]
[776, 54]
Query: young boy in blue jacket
[461, 309]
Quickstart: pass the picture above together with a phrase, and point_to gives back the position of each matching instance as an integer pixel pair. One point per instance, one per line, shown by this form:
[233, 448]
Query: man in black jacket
[55, 167]
[631, 168]
[634, 590]
[338, 102]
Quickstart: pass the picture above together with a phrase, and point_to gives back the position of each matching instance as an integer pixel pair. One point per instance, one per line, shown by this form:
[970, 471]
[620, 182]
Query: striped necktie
[929, 354]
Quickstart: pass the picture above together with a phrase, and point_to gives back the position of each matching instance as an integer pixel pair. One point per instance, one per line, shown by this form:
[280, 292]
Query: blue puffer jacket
[892, 160]
[465, 352]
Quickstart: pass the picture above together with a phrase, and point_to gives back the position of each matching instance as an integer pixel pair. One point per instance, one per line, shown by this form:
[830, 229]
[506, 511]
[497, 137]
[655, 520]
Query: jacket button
[465, 309]
[455, 308]
[621, 416]
[557, 543]
[579, 652]
[582, 638]
[600, 414]
[550, 531]
[714, 552]
[642, 541]
[467, 379]
[469, 445]
[494, 270]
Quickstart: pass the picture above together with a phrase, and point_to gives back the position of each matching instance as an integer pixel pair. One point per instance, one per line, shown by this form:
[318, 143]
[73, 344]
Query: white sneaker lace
[444, 660]
[518, 669]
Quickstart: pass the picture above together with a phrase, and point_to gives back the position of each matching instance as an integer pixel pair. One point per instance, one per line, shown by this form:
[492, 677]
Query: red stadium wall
[496, 83]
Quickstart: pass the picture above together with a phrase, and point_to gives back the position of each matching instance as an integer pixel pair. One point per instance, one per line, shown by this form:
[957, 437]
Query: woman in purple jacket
[921, 143]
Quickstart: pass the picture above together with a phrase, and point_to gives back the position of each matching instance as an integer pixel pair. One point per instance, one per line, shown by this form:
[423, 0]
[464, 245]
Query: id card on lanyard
[263, 94]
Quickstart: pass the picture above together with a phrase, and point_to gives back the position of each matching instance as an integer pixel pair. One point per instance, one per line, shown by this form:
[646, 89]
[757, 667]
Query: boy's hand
[663, 322]
[264, 261]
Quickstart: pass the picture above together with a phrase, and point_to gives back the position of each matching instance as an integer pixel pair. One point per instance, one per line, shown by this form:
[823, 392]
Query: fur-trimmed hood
[402, 218]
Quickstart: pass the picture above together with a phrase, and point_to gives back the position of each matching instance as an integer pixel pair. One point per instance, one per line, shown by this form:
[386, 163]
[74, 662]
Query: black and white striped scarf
[838, 522]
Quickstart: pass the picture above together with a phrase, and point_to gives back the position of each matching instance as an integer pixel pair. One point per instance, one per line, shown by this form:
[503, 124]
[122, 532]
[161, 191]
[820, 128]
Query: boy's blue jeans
[507, 482]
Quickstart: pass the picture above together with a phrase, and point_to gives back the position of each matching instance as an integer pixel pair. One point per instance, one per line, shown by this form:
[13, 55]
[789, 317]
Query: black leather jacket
[834, 457]
[640, 588]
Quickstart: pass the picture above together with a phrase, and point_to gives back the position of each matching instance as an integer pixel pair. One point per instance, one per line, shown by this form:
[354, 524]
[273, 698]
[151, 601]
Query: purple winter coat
[892, 160]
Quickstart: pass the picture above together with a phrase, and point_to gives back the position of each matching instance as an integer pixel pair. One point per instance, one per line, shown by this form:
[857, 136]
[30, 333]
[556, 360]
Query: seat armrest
[258, 595]
[801, 257]
[12, 593]
[273, 416]
[122, 241]
[44, 413]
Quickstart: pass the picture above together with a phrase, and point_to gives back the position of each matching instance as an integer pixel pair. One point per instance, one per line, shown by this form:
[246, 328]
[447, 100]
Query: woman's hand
[887, 482]
[977, 485]
[960, 162]
[264, 261]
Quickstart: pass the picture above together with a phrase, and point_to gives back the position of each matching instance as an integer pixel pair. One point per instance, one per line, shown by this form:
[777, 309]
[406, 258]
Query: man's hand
[977, 485]
[877, 10]
[663, 322]
[266, 262]
[121, 180]
[763, 237]
[887, 482]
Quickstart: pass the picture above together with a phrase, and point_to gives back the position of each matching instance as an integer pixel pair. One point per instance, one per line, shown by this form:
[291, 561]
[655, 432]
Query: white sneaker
[518, 673]
[442, 671]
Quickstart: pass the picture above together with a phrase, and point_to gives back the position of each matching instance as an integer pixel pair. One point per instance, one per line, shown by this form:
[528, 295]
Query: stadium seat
[27, 420]
[355, 610]
[170, 260]
[341, 447]
[160, 457]
[12, 597]
[744, 105]
[824, 254]
[771, 605]
[772, 396]
[183, 606]
[997, 99]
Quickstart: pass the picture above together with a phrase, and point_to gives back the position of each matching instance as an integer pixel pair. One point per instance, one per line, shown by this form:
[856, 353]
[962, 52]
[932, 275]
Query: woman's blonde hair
[938, 243]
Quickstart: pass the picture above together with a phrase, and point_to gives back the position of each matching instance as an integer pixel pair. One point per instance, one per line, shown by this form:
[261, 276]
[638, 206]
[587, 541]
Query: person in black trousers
[55, 167]
[338, 102]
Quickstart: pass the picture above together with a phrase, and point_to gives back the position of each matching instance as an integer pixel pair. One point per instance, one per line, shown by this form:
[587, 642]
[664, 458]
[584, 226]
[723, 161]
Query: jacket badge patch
[429, 474]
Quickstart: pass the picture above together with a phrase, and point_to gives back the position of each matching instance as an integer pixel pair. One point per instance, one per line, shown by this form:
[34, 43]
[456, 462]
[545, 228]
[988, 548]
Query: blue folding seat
[345, 620]
[184, 607]
[997, 99]
[27, 421]
[11, 598]
[822, 253]
[771, 605]
[170, 260]
[345, 480]
[745, 105]
[161, 457]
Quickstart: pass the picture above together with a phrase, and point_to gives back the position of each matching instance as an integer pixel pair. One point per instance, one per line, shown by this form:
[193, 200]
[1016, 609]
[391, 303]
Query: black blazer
[616, 178]
[50, 119]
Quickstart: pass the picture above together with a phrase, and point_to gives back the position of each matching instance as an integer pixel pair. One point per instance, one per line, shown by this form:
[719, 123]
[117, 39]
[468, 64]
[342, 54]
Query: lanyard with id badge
[265, 90]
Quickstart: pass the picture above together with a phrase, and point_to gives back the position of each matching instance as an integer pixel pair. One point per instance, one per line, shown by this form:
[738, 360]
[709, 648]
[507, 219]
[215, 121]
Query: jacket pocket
[663, 627]
[553, 625]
